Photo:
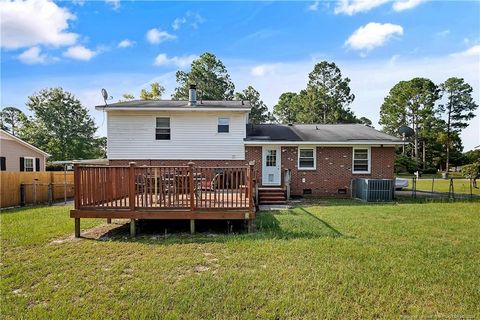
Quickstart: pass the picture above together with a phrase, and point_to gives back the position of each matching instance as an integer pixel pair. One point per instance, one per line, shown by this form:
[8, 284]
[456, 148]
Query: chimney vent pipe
[192, 95]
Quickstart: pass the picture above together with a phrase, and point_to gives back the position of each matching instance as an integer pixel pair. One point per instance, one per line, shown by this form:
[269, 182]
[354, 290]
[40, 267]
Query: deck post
[131, 186]
[76, 185]
[192, 194]
[133, 229]
[192, 226]
[77, 227]
[109, 220]
[250, 194]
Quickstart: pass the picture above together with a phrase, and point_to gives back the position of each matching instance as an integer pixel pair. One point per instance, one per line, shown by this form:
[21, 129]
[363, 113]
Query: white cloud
[194, 19]
[373, 35]
[443, 33]
[163, 60]
[177, 23]
[125, 43]
[402, 5]
[314, 6]
[115, 4]
[80, 53]
[33, 56]
[30, 23]
[470, 52]
[352, 7]
[156, 36]
[262, 70]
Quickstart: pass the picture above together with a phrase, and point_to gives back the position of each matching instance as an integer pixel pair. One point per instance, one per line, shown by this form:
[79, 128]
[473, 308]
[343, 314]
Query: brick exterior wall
[333, 172]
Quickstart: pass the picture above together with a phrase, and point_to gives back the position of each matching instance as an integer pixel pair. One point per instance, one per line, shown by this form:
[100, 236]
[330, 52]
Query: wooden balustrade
[159, 188]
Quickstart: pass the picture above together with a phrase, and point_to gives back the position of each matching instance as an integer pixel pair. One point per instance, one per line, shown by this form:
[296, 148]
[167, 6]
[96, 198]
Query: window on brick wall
[361, 160]
[306, 158]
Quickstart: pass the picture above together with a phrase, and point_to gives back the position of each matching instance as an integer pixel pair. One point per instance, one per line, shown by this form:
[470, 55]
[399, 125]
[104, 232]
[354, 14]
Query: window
[3, 164]
[29, 164]
[306, 158]
[223, 125]
[361, 160]
[162, 130]
[271, 158]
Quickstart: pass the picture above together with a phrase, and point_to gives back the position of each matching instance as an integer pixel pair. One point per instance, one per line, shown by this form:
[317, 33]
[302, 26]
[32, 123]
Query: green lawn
[442, 185]
[334, 259]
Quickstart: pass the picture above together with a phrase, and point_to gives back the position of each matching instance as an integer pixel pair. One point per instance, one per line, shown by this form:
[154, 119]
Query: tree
[259, 112]
[365, 121]
[155, 93]
[331, 94]
[211, 77]
[126, 97]
[61, 126]
[325, 100]
[12, 119]
[284, 109]
[410, 103]
[459, 108]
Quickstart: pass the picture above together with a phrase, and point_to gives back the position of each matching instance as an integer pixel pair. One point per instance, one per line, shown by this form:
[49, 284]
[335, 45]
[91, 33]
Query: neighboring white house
[18, 155]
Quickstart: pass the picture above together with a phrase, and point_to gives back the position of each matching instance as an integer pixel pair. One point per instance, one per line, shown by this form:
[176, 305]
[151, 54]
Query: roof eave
[346, 143]
[233, 109]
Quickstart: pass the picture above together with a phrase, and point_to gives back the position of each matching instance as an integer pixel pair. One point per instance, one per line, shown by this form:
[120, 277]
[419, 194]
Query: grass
[333, 259]
[442, 185]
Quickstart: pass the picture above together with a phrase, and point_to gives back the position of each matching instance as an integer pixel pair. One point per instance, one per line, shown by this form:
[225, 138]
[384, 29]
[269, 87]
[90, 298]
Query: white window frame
[218, 124]
[369, 158]
[169, 127]
[25, 164]
[314, 158]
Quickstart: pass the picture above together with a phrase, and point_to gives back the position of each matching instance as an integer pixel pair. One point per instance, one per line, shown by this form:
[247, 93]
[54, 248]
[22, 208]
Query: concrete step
[273, 202]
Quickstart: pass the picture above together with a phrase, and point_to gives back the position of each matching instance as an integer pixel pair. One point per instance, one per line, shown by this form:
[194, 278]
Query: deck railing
[159, 188]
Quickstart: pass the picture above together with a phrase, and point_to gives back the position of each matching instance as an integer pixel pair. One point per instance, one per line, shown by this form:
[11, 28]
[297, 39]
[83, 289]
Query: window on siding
[162, 130]
[223, 125]
[3, 164]
[361, 160]
[29, 164]
[306, 158]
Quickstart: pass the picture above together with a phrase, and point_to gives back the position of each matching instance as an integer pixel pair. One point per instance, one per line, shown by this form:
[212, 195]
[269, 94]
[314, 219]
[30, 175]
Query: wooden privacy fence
[157, 188]
[34, 187]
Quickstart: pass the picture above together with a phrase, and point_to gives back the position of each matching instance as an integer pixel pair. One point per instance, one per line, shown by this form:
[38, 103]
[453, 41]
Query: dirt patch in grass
[103, 232]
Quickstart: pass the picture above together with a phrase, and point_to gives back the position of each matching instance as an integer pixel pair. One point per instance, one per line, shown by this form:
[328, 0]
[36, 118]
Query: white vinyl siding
[361, 160]
[193, 136]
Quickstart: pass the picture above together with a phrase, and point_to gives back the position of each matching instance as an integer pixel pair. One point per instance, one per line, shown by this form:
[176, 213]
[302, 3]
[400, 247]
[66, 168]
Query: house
[18, 155]
[200, 160]
[319, 160]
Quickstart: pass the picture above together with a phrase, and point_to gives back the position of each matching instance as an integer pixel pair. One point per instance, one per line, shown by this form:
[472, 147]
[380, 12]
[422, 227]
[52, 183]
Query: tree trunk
[447, 166]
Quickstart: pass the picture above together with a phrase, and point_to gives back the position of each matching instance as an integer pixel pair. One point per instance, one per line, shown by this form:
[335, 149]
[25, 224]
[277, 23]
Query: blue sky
[84, 46]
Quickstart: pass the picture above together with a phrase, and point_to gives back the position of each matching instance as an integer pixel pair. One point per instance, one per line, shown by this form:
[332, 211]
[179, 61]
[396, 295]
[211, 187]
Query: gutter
[326, 143]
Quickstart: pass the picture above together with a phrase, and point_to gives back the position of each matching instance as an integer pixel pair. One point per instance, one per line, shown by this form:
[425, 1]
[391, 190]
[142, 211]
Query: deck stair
[271, 195]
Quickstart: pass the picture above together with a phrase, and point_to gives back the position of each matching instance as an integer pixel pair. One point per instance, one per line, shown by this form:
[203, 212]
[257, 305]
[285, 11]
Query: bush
[405, 164]
[430, 170]
[471, 170]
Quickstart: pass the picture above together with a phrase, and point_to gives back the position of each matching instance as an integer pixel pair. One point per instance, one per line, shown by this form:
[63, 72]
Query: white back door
[271, 165]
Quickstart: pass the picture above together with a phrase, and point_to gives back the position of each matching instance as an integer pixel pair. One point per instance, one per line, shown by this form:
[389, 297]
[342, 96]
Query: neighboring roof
[84, 161]
[318, 133]
[176, 105]
[10, 136]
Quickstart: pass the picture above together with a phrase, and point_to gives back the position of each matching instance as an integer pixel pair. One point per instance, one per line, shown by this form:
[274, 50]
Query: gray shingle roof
[316, 133]
[153, 104]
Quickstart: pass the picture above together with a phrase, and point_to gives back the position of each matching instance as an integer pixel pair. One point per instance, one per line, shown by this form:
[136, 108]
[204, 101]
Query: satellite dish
[406, 131]
[105, 96]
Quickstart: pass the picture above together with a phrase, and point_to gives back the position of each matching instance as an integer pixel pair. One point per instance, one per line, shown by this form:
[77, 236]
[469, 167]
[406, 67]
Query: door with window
[271, 166]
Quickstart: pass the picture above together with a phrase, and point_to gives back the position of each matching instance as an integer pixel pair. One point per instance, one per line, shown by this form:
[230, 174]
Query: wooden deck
[153, 192]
